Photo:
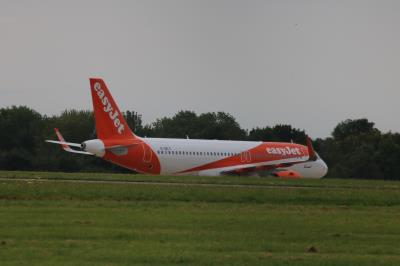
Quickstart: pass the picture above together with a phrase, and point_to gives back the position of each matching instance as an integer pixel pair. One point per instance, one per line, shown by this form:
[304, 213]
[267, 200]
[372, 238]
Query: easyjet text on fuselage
[284, 151]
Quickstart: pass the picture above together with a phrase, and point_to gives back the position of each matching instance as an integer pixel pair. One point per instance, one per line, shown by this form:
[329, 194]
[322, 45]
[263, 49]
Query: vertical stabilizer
[110, 124]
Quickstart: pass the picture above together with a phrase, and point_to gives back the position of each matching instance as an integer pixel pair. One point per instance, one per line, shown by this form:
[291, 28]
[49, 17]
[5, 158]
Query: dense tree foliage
[359, 150]
[356, 148]
[277, 133]
[205, 126]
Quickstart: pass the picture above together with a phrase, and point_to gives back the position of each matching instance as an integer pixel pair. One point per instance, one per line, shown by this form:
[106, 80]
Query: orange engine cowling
[287, 174]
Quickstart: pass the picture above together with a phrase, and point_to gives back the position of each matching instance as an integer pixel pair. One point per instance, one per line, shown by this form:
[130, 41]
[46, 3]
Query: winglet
[66, 145]
[61, 138]
[311, 152]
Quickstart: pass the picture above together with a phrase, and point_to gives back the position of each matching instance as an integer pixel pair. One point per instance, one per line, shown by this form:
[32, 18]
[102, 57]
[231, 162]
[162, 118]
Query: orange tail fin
[110, 124]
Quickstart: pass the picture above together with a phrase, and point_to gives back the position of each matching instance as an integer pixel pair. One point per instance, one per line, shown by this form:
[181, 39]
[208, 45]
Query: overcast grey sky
[310, 64]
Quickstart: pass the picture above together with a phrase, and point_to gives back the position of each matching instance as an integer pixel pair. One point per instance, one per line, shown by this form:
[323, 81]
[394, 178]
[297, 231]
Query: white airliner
[118, 144]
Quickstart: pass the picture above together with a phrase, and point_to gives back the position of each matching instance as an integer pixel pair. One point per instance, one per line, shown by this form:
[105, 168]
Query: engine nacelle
[211, 172]
[94, 146]
[287, 174]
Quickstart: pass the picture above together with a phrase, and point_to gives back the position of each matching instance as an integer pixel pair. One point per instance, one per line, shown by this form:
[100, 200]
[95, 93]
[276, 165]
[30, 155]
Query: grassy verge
[53, 223]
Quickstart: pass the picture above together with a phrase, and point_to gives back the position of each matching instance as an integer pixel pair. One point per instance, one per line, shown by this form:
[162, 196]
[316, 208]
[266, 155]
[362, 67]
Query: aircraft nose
[324, 168]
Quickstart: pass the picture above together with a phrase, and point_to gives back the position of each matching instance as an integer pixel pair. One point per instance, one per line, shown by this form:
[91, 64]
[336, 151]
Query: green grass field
[312, 222]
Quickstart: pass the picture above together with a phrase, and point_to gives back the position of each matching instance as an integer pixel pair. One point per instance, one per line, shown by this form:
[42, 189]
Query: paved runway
[160, 183]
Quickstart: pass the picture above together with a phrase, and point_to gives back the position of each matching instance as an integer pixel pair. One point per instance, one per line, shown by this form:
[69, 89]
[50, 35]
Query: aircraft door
[147, 153]
[245, 157]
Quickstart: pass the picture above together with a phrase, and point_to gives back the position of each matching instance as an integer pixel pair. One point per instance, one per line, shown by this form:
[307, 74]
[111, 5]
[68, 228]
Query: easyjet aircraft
[118, 144]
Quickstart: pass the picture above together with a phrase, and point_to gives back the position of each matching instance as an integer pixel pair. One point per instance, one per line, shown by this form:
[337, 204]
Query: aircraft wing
[267, 168]
[66, 146]
[271, 167]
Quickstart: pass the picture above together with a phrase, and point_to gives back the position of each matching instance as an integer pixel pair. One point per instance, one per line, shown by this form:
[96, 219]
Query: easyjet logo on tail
[113, 114]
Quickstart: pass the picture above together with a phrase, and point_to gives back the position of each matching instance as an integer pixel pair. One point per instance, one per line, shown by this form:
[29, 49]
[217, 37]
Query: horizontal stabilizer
[66, 146]
[63, 143]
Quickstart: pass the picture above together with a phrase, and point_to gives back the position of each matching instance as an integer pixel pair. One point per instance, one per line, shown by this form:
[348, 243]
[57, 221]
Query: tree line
[355, 149]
